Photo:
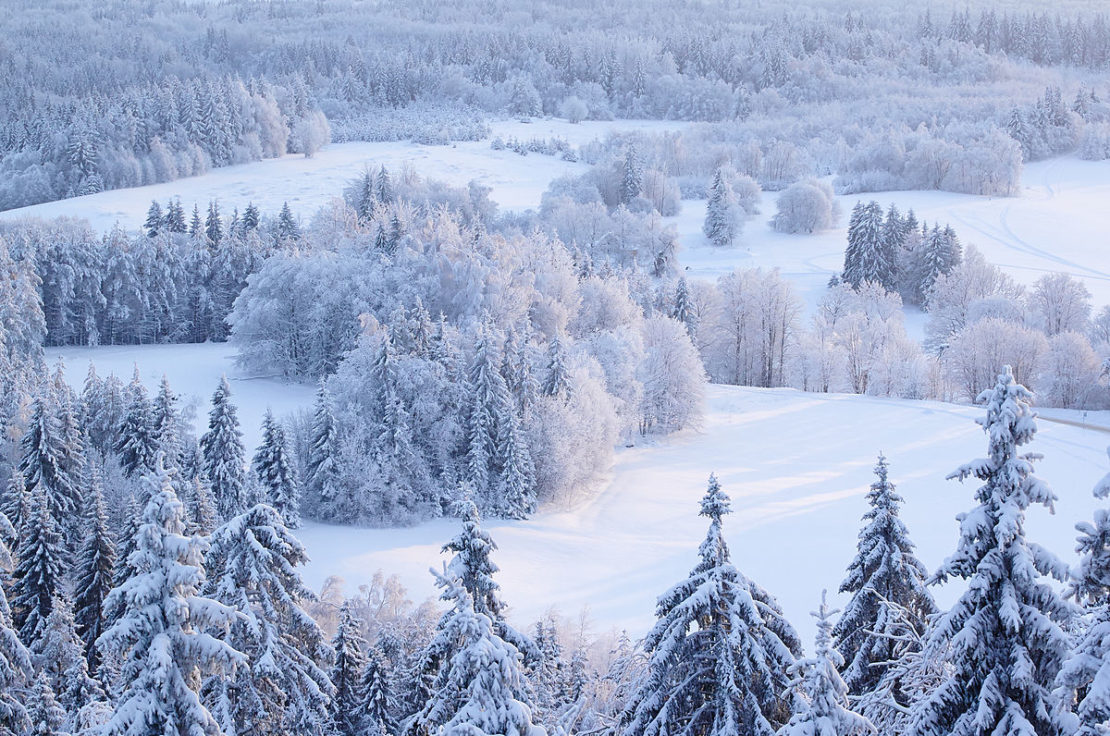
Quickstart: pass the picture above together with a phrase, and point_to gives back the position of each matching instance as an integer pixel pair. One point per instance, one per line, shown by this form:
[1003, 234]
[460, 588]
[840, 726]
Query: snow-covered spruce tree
[346, 672]
[15, 661]
[820, 696]
[1002, 639]
[92, 576]
[200, 508]
[59, 654]
[164, 634]
[868, 257]
[719, 653]
[1083, 684]
[47, 717]
[378, 707]
[12, 504]
[136, 444]
[480, 690]
[722, 214]
[870, 634]
[46, 463]
[274, 468]
[164, 424]
[683, 309]
[222, 447]
[283, 687]
[557, 377]
[40, 568]
[472, 565]
[321, 471]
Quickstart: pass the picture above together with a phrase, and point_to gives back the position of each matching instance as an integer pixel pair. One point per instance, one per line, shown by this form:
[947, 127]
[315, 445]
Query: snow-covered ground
[796, 465]
[309, 183]
[1061, 222]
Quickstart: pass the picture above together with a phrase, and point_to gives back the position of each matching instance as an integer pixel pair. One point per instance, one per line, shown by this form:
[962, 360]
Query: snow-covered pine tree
[47, 717]
[274, 468]
[16, 668]
[59, 654]
[46, 463]
[175, 216]
[165, 632]
[196, 225]
[378, 707]
[868, 256]
[92, 576]
[490, 408]
[222, 447]
[283, 687]
[820, 696]
[155, 220]
[321, 471]
[683, 308]
[869, 635]
[722, 214]
[136, 444]
[346, 672]
[213, 224]
[1083, 684]
[516, 494]
[200, 508]
[287, 227]
[719, 653]
[1002, 640]
[480, 690]
[937, 255]
[556, 380]
[251, 217]
[632, 179]
[472, 566]
[12, 504]
[40, 568]
[164, 424]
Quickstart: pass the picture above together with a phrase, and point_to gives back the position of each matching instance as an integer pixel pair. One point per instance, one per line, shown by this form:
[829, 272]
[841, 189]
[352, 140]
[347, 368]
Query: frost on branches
[1003, 639]
[720, 651]
[162, 635]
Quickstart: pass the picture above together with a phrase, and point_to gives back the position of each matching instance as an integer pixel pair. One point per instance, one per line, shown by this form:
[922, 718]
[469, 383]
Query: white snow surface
[1059, 223]
[796, 465]
[307, 184]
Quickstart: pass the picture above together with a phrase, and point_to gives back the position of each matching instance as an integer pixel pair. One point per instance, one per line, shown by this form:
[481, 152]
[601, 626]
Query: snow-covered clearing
[307, 184]
[1059, 223]
[797, 466]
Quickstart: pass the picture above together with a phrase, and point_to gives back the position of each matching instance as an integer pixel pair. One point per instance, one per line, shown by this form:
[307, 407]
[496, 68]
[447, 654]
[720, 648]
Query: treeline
[99, 639]
[120, 98]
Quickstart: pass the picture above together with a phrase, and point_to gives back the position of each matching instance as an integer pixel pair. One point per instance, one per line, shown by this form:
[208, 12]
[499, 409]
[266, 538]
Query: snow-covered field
[1061, 222]
[309, 183]
[796, 465]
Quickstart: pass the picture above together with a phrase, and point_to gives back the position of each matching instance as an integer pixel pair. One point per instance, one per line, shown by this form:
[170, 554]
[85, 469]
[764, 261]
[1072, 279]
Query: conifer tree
[46, 715]
[251, 218]
[164, 425]
[557, 379]
[683, 309]
[93, 576]
[196, 226]
[378, 706]
[222, 448]
[719, 653]
[287, 227]
[155, 220]
[1083, 684]
[136, 444]
[59, 654]
[480, 690]
[820, 696]
[213, 225]
[46, 463]
[282, 688]
[12, 505]
[722, 217]
[38, 573]
[472, 566]
[868, 257]
[1002, 640]
[274, 468]
[201, 516]
[346, 672]
[321, 470]
[16, 669]
[163, 635]
[632, 180]
[175, 216]
[869, 635]
[385, 187]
